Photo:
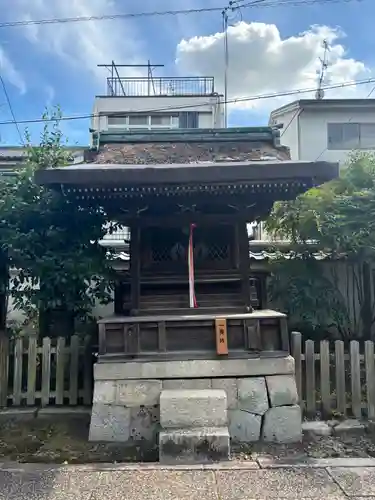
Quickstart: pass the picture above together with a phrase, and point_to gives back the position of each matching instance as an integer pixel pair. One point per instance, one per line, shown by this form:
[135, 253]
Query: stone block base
[261, 398]
[109, 423]
[282, 425]
[205, 444]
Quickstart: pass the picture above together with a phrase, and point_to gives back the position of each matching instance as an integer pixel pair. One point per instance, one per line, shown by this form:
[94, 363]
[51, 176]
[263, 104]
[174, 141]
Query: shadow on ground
[63, 439]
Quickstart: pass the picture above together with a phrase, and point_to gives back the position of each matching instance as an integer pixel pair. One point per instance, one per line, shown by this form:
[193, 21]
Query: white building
[327, 129]
[158, 103]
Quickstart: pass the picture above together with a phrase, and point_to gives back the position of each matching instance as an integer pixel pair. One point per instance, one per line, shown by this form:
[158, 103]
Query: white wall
[210, 108]
[306, 136]
[313, 137]
[289, 132]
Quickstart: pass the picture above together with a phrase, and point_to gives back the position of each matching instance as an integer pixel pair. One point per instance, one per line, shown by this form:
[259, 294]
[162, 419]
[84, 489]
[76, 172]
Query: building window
[367, 135]
[157, 121]
[346, 136]
[164, 120]
[117, 121]
[188, 119]
[136, 120]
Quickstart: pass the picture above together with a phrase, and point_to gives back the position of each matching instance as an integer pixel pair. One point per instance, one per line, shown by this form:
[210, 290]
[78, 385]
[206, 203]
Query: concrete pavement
[332, 480]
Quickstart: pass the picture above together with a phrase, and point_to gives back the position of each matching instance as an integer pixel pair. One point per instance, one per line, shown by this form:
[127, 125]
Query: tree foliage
[52, 243]
[339, 218]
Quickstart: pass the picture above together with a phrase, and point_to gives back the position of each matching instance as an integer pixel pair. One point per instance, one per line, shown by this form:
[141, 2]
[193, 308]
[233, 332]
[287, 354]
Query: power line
[260, 97]
[105, 17]
[109, 17]
[297, 112]
[11, 108]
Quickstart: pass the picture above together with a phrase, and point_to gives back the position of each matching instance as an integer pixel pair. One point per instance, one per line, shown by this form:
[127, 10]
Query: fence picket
[355, 375]
[297, 355]
[73, 378]
[31, 370]
[87, 374]
[60, 370]
[310, 376]
[370, 378]
[17, 376]
[325, 382]
[46, 371]
[340, 377]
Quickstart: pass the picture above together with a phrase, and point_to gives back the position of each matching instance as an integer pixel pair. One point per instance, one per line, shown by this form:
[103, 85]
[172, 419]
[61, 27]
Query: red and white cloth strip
[192, 298]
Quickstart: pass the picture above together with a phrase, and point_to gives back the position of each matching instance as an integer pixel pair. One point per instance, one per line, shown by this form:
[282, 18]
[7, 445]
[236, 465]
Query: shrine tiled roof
[189, 147]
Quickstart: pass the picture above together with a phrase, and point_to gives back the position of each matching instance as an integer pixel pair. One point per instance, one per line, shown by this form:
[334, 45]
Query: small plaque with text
[221, 336]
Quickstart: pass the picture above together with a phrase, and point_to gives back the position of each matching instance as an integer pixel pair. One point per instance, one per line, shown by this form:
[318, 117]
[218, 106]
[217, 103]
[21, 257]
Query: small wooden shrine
[187, 198]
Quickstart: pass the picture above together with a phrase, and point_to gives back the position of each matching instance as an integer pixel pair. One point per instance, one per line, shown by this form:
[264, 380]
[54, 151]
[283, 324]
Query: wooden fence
[334, 378]
[53, 371]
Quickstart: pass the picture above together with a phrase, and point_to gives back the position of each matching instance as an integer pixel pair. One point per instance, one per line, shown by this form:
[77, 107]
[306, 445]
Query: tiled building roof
[226, 145]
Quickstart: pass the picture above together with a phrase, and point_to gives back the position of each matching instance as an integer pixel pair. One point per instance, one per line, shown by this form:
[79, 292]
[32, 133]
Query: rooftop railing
[160, 86]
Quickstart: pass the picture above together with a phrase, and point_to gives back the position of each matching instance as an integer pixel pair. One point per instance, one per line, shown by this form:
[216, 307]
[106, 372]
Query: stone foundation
[262, 400]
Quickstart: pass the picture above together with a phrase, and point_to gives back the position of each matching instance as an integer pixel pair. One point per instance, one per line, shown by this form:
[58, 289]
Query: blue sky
[272, 49]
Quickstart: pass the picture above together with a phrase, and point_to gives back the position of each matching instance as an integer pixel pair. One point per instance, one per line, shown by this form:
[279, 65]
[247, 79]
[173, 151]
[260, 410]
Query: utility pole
[232, 6]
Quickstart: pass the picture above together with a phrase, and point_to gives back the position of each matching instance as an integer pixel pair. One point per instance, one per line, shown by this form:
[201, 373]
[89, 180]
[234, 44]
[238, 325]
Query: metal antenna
[323, 68]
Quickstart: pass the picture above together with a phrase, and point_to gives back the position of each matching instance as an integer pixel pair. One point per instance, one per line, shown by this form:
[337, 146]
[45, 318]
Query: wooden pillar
[243, 245]
[135, 268]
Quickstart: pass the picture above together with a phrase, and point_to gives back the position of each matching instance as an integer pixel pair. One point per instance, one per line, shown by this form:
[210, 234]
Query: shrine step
[193, 408]
[191, 446]
[194, 426]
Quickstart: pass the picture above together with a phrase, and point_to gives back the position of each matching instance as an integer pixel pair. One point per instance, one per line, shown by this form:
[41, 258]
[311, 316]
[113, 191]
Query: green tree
[339, 218]
[51, 241]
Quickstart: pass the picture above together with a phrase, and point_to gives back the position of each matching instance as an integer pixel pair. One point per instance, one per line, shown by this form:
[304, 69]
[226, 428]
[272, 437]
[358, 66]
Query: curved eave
[172, 176]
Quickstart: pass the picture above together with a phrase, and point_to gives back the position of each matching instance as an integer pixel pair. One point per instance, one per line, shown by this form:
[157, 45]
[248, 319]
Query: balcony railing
[160, 86]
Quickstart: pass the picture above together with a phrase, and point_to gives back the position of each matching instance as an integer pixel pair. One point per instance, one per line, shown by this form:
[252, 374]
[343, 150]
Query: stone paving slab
[134, 485]
[157, 485]
[278, 483]
[271, 463]
[45, 486]
[358, 481]
[224, 481]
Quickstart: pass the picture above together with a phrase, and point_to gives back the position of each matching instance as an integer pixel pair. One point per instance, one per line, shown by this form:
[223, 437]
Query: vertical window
[188, 119]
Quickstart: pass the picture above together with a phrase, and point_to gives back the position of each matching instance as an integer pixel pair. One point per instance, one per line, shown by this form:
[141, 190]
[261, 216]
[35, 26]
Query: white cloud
[82, 45]
[10, 73]
[262, 62]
